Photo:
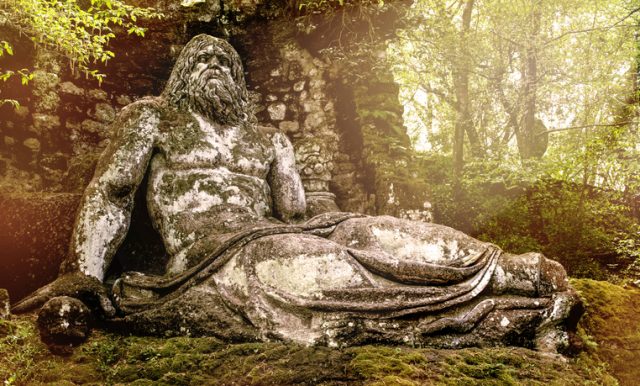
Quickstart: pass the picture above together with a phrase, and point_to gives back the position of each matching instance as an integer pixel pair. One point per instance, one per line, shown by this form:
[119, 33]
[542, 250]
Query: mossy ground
[611, 327]
[610, 330]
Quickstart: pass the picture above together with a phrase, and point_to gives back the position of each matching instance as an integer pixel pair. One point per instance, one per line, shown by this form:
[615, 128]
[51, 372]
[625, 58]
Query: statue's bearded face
[212, 88]
[209, 80]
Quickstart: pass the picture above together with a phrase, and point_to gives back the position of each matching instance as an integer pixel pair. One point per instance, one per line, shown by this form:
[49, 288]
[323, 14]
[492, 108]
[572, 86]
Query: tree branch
[585, 127]
[606, 28]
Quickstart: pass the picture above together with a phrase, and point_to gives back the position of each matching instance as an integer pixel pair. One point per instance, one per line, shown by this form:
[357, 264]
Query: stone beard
[208, 79]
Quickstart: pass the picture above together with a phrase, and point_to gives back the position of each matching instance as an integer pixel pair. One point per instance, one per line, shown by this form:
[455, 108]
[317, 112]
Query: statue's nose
[215, 62]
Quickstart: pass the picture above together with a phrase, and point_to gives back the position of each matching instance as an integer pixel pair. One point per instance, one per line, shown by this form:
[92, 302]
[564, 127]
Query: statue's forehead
[214, 48]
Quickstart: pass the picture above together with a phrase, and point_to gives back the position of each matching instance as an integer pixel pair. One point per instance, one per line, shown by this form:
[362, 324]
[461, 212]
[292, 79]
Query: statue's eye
[224, 61]
[202, 58]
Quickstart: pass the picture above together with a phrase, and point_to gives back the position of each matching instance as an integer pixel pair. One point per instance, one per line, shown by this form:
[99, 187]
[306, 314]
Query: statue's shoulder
[274, 135]
[148, 103]
[143, 116]
[267, 131]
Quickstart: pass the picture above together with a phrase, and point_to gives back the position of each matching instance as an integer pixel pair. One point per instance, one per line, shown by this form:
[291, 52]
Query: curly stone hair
[183, 93]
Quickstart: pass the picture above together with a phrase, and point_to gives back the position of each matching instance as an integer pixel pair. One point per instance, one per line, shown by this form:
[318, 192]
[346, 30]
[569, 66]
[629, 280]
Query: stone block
[69, 88]
[32, 144]
[48, 102]
[123, 100]
[98, 94]
[314, 121]
[277, 111]
[43, 81]
[103, 112]
[289, 126]
[299, 86]
[92, 127]
[45, 122]
[9, 141]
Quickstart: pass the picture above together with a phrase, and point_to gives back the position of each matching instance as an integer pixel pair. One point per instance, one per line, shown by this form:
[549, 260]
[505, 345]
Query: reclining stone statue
[245, 265]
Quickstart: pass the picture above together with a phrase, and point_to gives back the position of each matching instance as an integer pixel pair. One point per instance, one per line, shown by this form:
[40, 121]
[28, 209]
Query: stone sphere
[63, 323]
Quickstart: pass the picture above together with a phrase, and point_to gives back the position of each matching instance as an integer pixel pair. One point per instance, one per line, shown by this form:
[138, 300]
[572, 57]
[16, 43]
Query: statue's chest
[202, 145]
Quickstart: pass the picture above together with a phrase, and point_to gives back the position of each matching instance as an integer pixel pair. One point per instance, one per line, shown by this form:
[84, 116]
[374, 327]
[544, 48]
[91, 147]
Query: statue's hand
[77, 285]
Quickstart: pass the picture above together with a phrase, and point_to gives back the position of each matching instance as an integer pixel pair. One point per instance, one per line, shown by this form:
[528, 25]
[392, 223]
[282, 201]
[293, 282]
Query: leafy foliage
[79, 30]
[572, 67]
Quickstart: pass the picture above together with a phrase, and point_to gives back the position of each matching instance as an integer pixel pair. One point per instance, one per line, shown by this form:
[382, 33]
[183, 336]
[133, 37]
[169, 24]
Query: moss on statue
[609, 331]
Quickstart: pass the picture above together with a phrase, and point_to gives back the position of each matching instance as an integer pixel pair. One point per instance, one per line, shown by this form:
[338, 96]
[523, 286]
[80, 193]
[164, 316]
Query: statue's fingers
[106, 305]
[29, 303]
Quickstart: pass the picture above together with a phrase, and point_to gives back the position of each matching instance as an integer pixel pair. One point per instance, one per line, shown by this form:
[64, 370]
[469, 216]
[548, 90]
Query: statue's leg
[516, 277]
[529, 274]
[408, 240]
[270, 279]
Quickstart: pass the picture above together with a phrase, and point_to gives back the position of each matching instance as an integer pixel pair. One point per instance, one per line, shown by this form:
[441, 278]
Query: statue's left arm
[287, 192]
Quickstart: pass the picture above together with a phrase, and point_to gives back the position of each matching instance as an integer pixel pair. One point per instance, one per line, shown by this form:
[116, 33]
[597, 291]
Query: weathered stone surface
[45, 122]
[32, 144]
[79, 173]
[93, 127]
[99, 95]
[5, 310]
[126, 359]
[63, 322]
[71, 89]
[123, 100]
[103, 112]
[226, 199]
[277, 111]
[289, 126]
[9, 141]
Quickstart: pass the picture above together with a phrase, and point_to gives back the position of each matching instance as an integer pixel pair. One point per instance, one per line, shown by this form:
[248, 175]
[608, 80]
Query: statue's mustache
[222, 90]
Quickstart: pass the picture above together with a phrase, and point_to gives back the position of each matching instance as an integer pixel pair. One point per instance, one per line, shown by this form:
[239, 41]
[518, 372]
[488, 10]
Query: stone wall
[344, 119]
[52, 141]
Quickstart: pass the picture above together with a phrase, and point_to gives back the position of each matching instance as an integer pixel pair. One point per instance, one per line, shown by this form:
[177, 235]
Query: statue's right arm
[105, 210]
[103, 218]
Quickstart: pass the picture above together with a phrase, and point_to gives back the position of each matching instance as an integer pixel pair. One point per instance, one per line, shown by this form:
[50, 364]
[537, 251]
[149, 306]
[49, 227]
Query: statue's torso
[207, 179]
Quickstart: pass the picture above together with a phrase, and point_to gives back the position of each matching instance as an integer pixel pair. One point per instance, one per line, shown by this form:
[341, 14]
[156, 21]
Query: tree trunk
[464, 122]
[526, 136]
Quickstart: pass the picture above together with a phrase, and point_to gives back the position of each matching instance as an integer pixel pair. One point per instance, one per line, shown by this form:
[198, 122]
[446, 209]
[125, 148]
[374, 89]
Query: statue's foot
[63, 323]
[553, 277]
[529, 274]
[533, 275]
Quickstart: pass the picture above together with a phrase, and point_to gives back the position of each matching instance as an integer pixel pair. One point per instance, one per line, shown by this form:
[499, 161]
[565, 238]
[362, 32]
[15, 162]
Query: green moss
[608, 331]
[24, 359]
[611, 326]
[386, 363]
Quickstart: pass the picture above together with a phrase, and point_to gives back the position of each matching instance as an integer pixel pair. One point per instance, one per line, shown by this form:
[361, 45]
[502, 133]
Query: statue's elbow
[291, 210]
